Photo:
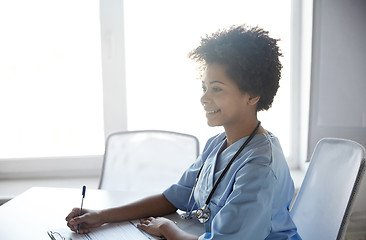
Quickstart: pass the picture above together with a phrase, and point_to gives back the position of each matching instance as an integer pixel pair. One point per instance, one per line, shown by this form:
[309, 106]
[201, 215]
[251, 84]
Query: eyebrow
[215, 81]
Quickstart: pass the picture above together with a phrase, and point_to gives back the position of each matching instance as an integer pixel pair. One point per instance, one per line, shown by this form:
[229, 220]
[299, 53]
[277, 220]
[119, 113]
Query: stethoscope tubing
[188, 213]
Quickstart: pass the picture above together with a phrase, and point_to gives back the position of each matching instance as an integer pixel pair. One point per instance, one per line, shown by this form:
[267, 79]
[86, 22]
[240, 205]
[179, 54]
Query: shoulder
[260, 151]
[267, 152]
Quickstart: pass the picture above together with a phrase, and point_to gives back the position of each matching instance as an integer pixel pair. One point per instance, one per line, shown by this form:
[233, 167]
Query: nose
[205, 98]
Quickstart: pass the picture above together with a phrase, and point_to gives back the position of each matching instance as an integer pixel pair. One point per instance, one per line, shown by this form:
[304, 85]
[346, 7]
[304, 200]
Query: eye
[204, 89]
[216, 89]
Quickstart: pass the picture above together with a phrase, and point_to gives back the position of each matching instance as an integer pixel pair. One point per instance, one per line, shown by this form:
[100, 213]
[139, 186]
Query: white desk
[30, 215]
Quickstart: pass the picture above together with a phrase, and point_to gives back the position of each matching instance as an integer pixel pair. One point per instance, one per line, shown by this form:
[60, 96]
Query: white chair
[323, 205]
[146, 161]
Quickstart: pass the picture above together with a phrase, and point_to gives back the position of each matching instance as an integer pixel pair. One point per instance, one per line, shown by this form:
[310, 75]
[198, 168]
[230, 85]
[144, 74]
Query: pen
[81, 207]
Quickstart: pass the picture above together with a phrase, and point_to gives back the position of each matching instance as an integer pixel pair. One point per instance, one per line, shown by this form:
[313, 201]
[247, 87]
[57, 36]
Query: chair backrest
[146, 161]
[322, 207]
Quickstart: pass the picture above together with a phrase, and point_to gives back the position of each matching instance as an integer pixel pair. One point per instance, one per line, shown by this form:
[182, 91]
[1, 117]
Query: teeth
[214, 111]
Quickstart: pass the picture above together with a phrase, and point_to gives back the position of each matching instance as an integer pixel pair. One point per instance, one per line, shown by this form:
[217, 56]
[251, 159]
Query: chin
[212, 124]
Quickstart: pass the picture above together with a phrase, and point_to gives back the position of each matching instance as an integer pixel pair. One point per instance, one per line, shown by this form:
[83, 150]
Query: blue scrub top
[252, 199]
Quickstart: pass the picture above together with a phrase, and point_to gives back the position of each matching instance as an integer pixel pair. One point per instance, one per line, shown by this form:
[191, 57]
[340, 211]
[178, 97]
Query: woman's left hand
[154, 226]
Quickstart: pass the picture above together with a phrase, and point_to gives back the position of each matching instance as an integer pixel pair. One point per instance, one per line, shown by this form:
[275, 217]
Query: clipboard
[126, 230]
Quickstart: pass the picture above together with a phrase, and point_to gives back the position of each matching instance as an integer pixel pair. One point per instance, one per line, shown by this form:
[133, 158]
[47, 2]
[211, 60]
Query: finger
[144, 221]
[72, 228]
[142, 227]
[74, 212]
[84, 230]
[77, 220]
[149, 219]
[73, 224]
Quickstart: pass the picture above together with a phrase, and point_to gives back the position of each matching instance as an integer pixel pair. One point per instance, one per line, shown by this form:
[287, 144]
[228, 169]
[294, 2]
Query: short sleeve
[178, 194]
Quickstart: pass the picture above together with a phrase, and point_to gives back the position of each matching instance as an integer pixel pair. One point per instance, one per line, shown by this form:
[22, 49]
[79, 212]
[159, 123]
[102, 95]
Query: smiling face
[224, 103]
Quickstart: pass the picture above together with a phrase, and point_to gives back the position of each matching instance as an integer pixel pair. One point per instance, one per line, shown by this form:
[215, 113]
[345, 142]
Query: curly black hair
[251, 59]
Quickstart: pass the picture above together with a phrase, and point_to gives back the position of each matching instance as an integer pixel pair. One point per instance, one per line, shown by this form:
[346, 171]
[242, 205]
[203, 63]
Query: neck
[234, 134]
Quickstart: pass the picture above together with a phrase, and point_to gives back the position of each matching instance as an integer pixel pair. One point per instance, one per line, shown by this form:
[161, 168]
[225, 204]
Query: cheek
[227, 107]
[232, 109]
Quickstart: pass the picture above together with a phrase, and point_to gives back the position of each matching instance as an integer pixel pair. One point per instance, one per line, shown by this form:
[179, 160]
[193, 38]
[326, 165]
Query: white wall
[338, 83]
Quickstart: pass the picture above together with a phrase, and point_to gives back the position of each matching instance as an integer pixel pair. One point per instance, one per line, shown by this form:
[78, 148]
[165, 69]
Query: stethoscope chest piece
[203, 214]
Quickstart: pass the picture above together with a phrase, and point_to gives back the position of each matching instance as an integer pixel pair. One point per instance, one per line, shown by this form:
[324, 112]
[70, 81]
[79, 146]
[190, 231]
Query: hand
[155, 226]
[87, 220]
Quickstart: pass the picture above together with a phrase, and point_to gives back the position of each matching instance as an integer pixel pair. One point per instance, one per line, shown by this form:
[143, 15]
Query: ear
[253, 100]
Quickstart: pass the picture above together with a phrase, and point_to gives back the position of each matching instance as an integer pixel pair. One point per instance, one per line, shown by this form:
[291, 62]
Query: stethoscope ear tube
[188, 213]
[203, 214]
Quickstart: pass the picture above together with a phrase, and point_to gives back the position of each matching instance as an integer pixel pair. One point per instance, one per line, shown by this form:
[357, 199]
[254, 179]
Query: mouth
[212, 111]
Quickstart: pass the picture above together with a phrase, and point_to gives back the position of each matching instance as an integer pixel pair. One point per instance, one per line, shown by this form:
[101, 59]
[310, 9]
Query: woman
[241, 186]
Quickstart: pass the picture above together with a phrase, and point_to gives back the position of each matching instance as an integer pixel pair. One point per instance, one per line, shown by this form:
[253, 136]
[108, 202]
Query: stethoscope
[203, 214]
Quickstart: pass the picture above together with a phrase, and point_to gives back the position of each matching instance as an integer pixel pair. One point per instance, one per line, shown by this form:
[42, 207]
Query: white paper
[116, 231]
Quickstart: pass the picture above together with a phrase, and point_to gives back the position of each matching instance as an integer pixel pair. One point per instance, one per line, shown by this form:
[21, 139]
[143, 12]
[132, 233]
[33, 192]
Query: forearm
[156, 205]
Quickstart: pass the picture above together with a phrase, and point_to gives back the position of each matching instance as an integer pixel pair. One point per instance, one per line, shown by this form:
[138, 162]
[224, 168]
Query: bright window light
[50, 79]
[163, 89]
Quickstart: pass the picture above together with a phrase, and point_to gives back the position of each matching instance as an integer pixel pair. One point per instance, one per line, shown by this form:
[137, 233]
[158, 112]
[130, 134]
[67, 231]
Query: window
[50, 79]
[54, 103]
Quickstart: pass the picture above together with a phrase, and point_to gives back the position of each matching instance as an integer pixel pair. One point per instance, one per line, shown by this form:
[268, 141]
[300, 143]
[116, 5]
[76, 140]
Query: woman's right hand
[88, 219]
